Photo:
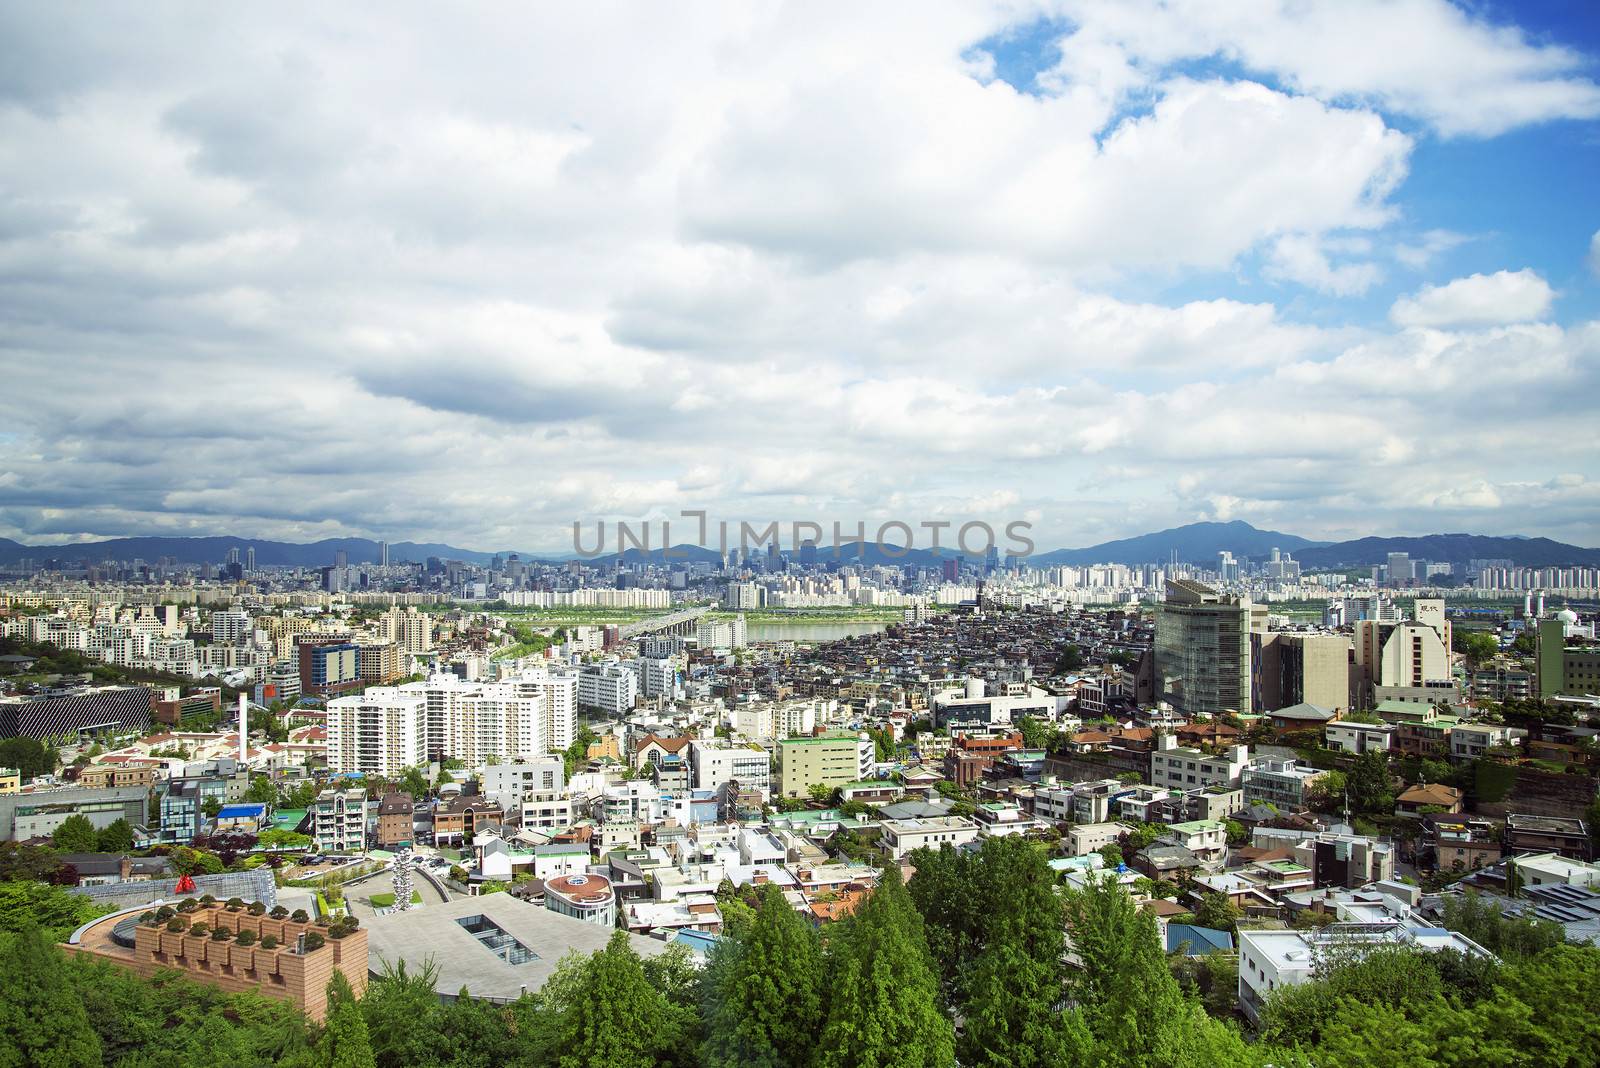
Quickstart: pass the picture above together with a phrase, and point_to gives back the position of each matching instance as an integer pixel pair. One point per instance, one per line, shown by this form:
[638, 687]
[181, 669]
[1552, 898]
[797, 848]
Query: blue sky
[1101, 266]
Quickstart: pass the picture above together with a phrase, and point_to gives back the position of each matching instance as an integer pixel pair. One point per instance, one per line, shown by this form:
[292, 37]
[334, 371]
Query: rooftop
[464, 960]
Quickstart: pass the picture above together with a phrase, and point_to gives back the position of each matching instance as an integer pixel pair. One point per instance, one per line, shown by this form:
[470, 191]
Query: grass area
[386, 900]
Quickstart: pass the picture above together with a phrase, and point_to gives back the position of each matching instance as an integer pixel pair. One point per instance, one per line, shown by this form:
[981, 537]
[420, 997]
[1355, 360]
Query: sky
[474, 273]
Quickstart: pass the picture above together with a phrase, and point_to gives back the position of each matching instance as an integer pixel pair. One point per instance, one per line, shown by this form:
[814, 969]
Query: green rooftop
[1195, 826]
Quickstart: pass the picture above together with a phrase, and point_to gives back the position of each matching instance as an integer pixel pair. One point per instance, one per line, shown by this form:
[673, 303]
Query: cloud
[1502, 297]
[1594, 252]
[470, 277]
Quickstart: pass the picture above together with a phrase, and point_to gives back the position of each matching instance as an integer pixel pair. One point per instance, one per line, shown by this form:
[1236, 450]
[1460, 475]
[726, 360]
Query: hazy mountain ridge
[1192, 543]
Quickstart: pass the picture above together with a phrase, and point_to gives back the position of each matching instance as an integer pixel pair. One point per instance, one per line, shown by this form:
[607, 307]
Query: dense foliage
[980, 960]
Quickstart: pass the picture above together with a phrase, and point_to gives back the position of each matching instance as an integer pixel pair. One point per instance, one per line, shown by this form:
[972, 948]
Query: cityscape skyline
[1099, 273]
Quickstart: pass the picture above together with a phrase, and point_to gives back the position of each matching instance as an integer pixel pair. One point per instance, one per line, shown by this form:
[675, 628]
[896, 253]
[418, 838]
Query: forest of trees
[965, 965]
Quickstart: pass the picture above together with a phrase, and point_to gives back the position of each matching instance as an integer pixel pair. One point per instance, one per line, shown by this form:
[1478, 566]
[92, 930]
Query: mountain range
[1194, 543]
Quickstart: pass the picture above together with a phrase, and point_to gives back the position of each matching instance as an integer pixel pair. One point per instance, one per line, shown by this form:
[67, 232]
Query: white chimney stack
[244, 729]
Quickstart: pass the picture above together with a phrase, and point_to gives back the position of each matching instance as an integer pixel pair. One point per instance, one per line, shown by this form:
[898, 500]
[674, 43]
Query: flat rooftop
[464, 960]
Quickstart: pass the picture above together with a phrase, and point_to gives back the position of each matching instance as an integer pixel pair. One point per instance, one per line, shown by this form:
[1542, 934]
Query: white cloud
[1422, 252]
[1502, 297]
[337, 278]
[1594, 252]
[1304, 259]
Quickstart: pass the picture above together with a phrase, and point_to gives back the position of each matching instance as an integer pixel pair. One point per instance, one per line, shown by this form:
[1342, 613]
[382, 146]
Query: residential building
[339, 821]
[1279, 782]
[1525, 833]
[1347, 736]
[1085, 838]
[101, 776]
[1470, 741]
[1553, 869]
[1271, 960]
[1573, 669]
[901, 837]
[329, 666]
[715, 762]
[381, 732]
[510, 783]
[828, 760]
[1206, 839]
[1177, 767]
[395, 820]
[1430, 795]
[609, 688]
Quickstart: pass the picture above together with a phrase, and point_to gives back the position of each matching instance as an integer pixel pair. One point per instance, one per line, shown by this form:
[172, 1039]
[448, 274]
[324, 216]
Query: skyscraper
[1202, 649]
[383, 554]
[250, 558]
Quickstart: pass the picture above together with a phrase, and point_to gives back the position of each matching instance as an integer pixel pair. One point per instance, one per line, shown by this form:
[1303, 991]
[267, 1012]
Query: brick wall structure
[280, 972]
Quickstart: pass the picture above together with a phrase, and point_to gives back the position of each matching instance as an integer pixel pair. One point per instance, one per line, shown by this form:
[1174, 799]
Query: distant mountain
[680, 554]
[215, 550]
[1452, 548]
[1194, 543]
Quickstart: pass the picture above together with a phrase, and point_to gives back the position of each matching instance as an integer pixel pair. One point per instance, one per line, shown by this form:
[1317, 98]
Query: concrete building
[1176, 767]
[1271, 960]
[511, 783]
[1350, 737]
[37, 813]
[381, 732]
[395, 821]
[901, 837]
[1283, 783]
[339, 821]
[1202, 649]
[715, 762]
[830, 760]
[1572, 670]
[1297, 669]
[610, 688]
[585, 896]
[1406, 660]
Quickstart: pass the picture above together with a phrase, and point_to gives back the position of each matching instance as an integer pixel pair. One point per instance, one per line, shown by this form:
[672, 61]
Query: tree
[29, 756]
[54, 911]
[1011, 989]
[1130, 1004]
[211, 806]
[115, 837]
[605, 1014]
[765, 992]
[1371, 788]
[414, 782]
[75, 835]
[42, 1019]
[1070, 659]
[1478, 646]
[1509, 937]
[884, 1005]
[1237, 835]
[261, 791]
[819, 793]
[1217, 912]
[344, 1042]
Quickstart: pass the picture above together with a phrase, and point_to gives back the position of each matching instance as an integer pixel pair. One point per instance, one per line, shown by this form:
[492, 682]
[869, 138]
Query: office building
[1293, 668]
[715, 762]
[87, 711]
[1202, 649]
[329, 666]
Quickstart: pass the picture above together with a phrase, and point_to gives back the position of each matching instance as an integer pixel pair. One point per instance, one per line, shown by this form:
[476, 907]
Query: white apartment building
[609, 687]
[658, 677]
[763, 721]
[380, 732]
[901, 837]
[1178, 767]
[1357, 738]
[510, 784]
[714, 762]
[339, 820]
[720, 633]
[231, 626]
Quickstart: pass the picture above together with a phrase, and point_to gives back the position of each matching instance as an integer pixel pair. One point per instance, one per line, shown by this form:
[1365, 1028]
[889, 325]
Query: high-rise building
[1400, 572]
[1405, 660]
[1293, 668]
[381, 732]
[1202, 649]
[250, 558]
[383, 554]
[744, 596]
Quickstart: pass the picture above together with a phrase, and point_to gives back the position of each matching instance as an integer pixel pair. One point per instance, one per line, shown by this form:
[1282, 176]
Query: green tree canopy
[115, 837]
[76, 835]
[29, 756]
[43, 1023]
[765, 991]
[344, 1042]
[884, 994]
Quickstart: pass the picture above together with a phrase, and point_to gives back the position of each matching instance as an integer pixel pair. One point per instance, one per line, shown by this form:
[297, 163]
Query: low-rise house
[1463, 843]
[1527, 833]
[1348, 736]
[901, 837]
[1206, 839]
[395, 821]
[1470, 741]
[1302, 715]
[1173, 863]
[1180, 768]
[1083, 839]
[1427, 795]
[1271, 960]
[1553, 869]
